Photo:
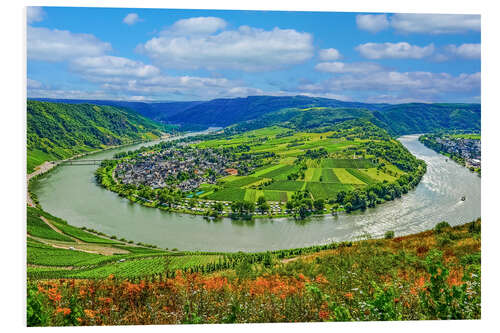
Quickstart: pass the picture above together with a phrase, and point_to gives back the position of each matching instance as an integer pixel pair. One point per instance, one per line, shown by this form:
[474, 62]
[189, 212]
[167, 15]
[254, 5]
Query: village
[468, 149]
[182, 167]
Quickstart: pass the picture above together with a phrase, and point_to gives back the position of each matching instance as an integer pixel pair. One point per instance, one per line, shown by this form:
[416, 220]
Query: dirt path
[59, 231]
[80, 245]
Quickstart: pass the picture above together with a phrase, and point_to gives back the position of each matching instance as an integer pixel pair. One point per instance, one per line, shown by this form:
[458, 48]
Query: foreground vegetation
[432, 275]
[57, 131]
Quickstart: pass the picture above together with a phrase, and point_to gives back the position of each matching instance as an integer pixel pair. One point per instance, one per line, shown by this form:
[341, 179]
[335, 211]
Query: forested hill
[305, 112]
[158, 111]
[57, 131]
[255, 111]
[224, 112]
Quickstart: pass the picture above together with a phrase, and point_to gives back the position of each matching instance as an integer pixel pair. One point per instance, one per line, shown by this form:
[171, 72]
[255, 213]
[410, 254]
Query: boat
[463, 198]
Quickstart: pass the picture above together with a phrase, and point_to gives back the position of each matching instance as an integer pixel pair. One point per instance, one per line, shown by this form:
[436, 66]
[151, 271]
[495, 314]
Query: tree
[218, 207]
[319, 204]
[341, 196]
[261, 200]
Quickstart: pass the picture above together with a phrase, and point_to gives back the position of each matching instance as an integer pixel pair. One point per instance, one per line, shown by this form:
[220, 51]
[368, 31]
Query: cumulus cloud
[372, 23]
[466, 51]
[435, 23]
[58, 45]
[341, 67]
[400, 50]
[131, 19]
[329, 54]
[34, 14]
[247, 48]
[197, 25]
[109, 66]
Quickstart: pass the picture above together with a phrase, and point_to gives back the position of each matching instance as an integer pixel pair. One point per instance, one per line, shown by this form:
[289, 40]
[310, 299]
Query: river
[70, 192]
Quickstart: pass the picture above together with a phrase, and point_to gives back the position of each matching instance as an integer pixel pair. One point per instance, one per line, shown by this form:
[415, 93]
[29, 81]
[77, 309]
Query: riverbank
[430, 142]
[49, 165]
[71, 193]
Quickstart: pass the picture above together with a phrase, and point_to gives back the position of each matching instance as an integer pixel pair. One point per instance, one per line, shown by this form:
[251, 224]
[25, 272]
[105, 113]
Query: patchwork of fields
[323, 177]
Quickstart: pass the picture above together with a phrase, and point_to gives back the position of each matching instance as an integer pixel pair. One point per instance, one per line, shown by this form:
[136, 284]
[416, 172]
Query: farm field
[343, 168]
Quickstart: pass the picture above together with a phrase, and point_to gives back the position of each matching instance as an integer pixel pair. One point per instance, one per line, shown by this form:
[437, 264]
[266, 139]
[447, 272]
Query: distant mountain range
[258, 111]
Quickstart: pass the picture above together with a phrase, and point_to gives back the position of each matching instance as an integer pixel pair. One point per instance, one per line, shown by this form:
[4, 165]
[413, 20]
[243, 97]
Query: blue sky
[162, 54]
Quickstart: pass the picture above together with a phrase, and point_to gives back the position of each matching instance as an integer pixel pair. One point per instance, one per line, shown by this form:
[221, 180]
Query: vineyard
[432, 275]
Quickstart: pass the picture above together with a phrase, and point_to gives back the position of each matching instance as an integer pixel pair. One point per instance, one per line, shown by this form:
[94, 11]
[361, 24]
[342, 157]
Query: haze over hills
[261, 111]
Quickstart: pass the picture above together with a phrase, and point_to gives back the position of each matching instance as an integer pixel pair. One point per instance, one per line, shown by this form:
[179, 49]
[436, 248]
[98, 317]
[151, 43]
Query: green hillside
[58, 131]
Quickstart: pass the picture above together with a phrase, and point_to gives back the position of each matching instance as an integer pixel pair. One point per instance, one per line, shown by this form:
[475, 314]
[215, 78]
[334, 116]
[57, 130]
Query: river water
[70, 192]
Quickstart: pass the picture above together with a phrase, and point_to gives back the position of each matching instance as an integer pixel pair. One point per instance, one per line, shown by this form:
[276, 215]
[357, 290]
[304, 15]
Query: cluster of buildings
[468, 149]
[185, 167]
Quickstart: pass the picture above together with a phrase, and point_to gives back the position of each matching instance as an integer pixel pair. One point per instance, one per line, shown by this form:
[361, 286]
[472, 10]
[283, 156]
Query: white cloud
[109, 66]
[466, 51]
[34, 14]
[131, 19]
[400, 50]
[407, 85]
[197, 25]
[435, 23]
[33, 84]
[372, 23]
[247, 48]
[329, 54]
[341, 67]
[58, 45]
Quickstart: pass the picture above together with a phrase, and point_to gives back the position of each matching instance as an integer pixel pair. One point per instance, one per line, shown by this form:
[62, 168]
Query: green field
[282, 169]
[346, 178]
[326, 190]
[37, 228]
[285, 185]
[346, 163]
[228, 194]
[241, 181]
[378, 175]
[275, 195]
[361, 176]
[313, 174]
[329, 176]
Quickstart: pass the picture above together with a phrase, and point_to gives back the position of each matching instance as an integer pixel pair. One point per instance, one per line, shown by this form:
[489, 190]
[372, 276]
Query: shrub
[441, 226]
[389, 234]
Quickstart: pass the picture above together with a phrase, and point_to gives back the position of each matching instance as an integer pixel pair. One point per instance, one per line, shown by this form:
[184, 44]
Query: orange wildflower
[321, 279]
[54, 294]
[215, 283]
[89, 313]
[348, 295]
[64, 311]
[106, 300]
[323, 314]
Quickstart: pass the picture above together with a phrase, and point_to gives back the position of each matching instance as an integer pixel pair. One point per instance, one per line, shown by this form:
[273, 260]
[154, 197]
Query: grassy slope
[430, 275]
[57, 131]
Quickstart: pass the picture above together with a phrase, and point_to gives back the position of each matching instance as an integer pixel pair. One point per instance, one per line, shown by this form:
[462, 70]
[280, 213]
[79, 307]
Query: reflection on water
[71, 193]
